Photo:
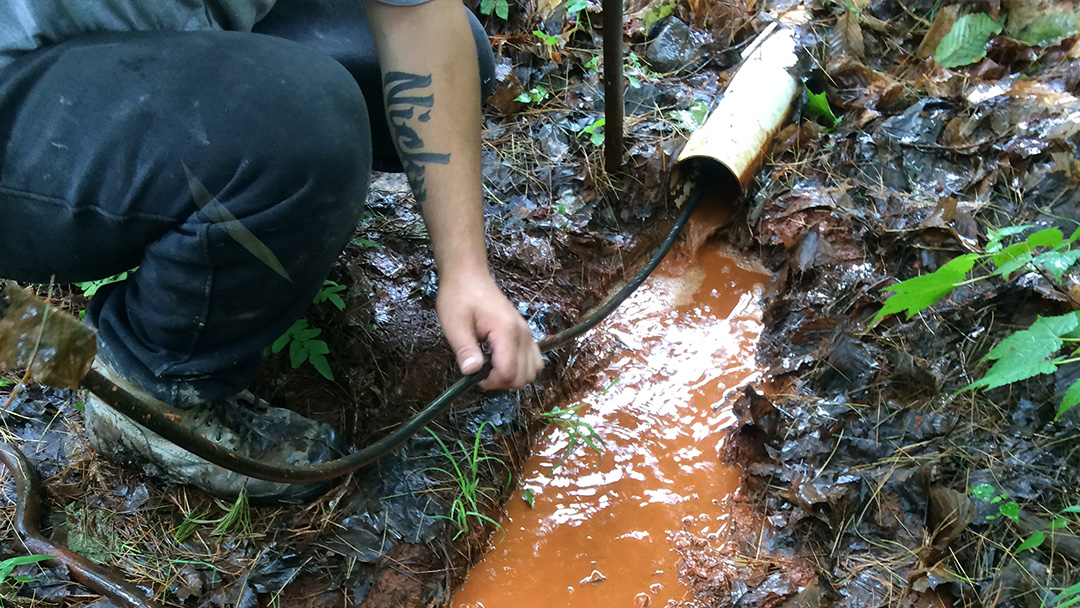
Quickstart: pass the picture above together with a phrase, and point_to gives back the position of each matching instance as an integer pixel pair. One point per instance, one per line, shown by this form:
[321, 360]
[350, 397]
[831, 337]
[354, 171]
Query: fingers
[462, 338]
[515, 357]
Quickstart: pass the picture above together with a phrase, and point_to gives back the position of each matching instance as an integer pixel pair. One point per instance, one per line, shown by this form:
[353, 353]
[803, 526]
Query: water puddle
[598, 534]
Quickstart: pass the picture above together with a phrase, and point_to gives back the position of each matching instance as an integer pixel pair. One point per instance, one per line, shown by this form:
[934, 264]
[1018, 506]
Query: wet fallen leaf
[951, 512]
[943, 22]
[966, 41]
[56, 347]
[847, 38]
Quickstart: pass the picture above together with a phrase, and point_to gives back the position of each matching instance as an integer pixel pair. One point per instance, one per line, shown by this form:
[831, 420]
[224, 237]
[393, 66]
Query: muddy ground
[859, 455]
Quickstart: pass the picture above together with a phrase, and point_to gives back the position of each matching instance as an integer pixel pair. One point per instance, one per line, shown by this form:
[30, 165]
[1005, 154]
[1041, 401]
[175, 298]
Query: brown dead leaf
[1067, 164]
[939, 82]
[944, 21]
[56, 347]
[847, 40]
[951, 512]
[864, 87]
[796, 137]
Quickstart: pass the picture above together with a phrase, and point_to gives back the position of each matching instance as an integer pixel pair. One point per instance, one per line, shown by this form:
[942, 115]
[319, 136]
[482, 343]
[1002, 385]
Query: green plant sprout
[331, 292]
[534, 95]
[596, 136]
[501, 8]
[9, 564]
[577, 431]
[656, 13]
[303, 346]
[817, 106]
[635, 71]
[1025, 353]
[547, 39]
[1011, 510]
[466, 504]
[693, 117]
[89, 288]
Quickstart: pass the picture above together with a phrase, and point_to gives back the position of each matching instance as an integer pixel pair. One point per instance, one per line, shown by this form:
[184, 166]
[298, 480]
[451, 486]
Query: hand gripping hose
[148, 415]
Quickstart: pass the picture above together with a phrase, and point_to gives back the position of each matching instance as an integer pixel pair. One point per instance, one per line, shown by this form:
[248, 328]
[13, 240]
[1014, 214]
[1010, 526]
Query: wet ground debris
[880, 472]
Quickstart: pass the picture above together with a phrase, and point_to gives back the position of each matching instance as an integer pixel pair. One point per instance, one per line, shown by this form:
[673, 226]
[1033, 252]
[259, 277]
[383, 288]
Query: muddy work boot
[243, 425]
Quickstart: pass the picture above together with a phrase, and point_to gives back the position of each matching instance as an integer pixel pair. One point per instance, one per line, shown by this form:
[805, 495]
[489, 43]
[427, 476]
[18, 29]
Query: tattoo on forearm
[406, 104]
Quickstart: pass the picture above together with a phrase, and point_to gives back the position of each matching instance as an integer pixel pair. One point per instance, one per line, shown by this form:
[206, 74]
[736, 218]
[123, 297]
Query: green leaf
[1071, 509]
[1050, 29]
[22, 560]
[1057, 523]
[917, 294]
[1033, 541]
[317, 347]
[1010, 510]
[366, 243]
[322, 366]
[1051, 237]
[305, 335]
[966, 41]
[529, 497]
[487, 6]
[656, 13]
[1009, 255]
[983, 491]
[1024, 354]
[1057, 263]
[297, 353]
[502, 9]
[997, 236]
[287, 336]
[817, 106]
[1072, 397]
[576, 6]
[548, 40]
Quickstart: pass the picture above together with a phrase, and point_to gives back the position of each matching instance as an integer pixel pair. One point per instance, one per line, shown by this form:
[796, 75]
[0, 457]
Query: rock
[673, 48]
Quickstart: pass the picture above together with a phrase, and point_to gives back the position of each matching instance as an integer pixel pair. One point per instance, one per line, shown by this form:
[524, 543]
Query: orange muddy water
[598, 533]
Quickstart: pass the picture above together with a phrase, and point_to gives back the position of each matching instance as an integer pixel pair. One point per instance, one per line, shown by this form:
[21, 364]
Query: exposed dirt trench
[606, 529]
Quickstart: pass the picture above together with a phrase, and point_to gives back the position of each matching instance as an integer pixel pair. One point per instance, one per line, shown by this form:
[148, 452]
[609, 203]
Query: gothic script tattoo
[406, 103]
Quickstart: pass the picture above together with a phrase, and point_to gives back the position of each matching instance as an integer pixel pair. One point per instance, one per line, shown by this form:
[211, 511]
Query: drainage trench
[600, 531]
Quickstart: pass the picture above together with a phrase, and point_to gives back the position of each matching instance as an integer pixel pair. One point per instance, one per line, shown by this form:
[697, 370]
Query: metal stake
[613, 85]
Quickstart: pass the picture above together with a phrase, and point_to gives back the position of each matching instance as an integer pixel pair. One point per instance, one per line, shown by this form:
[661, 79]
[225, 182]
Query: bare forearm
[432, 88]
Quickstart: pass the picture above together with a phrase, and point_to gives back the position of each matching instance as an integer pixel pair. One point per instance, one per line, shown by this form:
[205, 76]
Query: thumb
[466, 348]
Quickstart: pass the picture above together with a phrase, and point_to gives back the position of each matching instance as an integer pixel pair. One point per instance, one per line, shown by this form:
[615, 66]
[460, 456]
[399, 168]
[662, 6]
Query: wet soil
[603, 529]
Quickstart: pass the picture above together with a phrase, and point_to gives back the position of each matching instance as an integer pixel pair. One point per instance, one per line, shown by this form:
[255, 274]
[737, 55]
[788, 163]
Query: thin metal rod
[613, 85]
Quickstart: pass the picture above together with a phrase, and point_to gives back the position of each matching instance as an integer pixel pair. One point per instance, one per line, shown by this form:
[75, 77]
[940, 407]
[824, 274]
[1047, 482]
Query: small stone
[642, 600]
[673, 48]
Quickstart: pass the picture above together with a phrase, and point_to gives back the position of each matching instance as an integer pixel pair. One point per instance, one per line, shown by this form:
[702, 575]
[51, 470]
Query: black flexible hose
[156, 420]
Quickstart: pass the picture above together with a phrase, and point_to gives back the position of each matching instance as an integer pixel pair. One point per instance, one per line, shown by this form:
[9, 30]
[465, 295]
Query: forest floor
[860, 455]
